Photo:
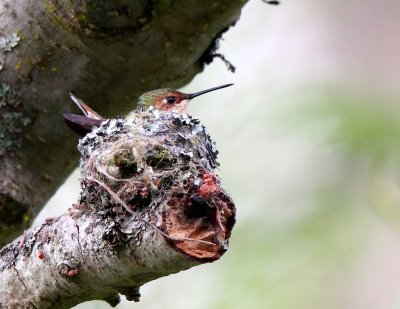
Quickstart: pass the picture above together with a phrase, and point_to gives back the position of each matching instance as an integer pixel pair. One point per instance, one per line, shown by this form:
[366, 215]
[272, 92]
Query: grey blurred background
[309, 141]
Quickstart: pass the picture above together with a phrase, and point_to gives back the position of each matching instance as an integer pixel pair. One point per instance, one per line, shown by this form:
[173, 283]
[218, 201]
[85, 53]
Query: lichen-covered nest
[154, 170]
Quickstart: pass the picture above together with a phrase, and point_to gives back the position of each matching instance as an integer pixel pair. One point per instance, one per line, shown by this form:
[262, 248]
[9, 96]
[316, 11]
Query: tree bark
[150, 206]
[103, 51]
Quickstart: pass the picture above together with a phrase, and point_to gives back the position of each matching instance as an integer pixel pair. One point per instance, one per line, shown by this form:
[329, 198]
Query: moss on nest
[125, 161]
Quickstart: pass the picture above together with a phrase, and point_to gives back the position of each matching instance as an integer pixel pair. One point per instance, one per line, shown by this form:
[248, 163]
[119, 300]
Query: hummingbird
[164, 99]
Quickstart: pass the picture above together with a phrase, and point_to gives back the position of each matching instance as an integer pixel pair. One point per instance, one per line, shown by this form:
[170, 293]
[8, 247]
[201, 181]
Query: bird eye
[171, 100]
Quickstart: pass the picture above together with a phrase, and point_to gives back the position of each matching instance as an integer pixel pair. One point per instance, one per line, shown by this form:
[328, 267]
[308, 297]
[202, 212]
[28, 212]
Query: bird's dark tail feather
[81, 124]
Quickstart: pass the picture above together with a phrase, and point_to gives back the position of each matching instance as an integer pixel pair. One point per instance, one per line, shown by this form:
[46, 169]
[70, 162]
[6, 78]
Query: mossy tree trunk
[107, 53]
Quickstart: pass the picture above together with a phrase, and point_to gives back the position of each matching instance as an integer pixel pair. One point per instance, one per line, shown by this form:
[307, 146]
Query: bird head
[167, 99]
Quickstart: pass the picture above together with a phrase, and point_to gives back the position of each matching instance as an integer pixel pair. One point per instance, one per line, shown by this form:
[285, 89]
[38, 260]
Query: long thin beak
[196, 94]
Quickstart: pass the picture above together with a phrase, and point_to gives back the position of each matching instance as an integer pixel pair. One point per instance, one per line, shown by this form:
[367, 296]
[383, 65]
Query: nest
[157, 169]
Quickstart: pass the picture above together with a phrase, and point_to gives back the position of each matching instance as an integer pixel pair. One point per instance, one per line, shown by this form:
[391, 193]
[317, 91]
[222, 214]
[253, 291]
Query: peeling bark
[105, 52]
[150, 205]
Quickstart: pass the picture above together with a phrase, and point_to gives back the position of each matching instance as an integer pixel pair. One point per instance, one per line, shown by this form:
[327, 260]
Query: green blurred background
[309, 141]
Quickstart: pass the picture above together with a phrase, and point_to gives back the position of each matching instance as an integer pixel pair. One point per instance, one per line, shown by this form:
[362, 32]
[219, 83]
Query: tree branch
[150, 206]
